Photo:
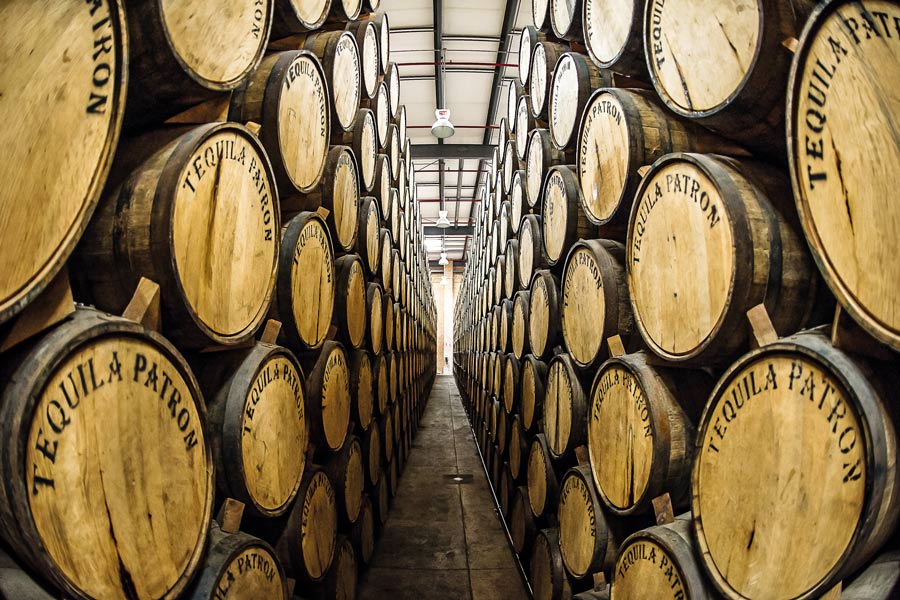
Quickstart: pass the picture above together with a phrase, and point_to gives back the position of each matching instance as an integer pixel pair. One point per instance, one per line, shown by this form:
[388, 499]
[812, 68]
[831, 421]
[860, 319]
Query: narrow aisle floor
[443, 538]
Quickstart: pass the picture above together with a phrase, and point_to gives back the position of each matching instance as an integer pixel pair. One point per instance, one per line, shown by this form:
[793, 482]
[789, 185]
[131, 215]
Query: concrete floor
[443, 538]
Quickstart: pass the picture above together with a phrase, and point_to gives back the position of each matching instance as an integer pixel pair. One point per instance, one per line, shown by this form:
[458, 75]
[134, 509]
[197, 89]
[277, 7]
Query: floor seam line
[462, 507]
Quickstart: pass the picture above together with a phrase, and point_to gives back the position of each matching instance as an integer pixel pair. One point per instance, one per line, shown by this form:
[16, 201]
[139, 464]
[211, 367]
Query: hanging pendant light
[443, 222]
[443, 260]
[442, 127]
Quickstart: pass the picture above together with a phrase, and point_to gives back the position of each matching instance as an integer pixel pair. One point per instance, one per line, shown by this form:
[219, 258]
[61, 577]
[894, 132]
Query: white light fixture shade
[443, 260]
[442, 221]
[442, 127]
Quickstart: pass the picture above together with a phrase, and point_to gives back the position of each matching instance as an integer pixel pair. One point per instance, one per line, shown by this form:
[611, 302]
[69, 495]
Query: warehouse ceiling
[468, 40]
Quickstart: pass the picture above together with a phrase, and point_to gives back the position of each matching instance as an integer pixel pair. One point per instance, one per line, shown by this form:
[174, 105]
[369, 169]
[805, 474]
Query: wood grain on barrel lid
[539, 13]
[312, 283]
[603, 151]
[537, 478]
[369, 59]
[699, 58]
[558, 403]
[647, 569]
[231, 42]
[304, 119]
[526, 38]
[555, 214]
[539, 79]
[225, 229]
[394, 149]
[524, 122]
[512, 99]
[311, 12]
[362, 388]
[345, 80]
[274, 432]
[584, 310]
[71, 120]
[563, 98]
[384, 42]
[526, 251]
[253, 572]
[345, 200]
[354, 481]
[319, 525]
[369, 150]
[95, 518]
[680, 258]
[342, 578]
[582, 525]
[375, 299]
[382, 115]
[620, 435]
[519, 334]
[352, 281]
[563, 13]
[843, 161]
[808, 489]
[607, 27]
[392, 77]
[335, 395]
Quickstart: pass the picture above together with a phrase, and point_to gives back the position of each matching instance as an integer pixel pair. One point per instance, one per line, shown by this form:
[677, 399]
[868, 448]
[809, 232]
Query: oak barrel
[548, 576]
[525, 121]
[363, 141]
[543, 484]
[366, 34]
[195, 210]
[340, 57]
[346, 472]
[595, 303]
[574, 79]
[565, 19]
[566, 408]
[257, 425]
[532, 256]
[540, 156]
[543, 60]
[612, 34]
[727, 67]
[298, 16]
[539, 14]
[368, 237]
[362, 534]
[384, 41]
[544, 327]
[660, 562]
[375, 311]
[350, 301]
[174, 64]
[71, 120]
[341, 581]
[362, 389]
[304, 298]
[338, 193]
[640, 433]
[83, 514]
[586, 539]
[842, 162]
[534, 381]
[833, 488]
[529, 37]
[622, 131]
[328, 397]
[706, 242]
[371, 448]
[239, 566]
[288, 97]
[562, 218]
[520, 327]
[305, 539]
[522, 528]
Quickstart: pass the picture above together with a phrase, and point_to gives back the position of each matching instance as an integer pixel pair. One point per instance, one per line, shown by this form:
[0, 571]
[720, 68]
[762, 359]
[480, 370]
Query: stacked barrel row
[679, 193]
[237, 184]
